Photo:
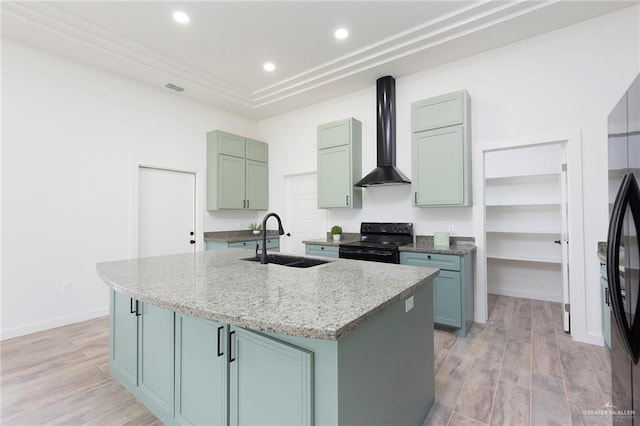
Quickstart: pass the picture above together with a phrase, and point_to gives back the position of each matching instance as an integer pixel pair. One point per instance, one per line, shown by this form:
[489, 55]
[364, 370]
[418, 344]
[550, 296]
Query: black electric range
[379, 242]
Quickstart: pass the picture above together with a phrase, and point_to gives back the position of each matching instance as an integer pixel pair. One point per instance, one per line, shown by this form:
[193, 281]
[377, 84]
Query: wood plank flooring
[518, 369]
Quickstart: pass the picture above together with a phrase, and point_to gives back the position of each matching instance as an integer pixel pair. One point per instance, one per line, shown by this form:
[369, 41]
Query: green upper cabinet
[237, 172]
[339, 164]
[441, 151]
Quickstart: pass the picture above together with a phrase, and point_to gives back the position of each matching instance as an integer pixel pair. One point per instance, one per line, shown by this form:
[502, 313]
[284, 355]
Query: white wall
[70, 133]
[567, 79]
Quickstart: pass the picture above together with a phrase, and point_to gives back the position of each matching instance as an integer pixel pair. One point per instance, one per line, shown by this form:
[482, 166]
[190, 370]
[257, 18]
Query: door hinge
[564, 167]
[567, 307]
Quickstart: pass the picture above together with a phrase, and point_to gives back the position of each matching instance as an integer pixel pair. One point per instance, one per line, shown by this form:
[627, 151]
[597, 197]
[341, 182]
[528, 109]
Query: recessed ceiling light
[181, 17]
[269, 66]
[341, 33]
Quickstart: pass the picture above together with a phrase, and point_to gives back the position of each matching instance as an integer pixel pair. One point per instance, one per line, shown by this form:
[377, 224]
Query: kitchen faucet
[263, 255]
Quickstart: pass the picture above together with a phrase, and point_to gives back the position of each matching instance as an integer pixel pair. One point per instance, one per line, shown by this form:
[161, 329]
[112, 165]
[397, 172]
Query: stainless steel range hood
[386, 173]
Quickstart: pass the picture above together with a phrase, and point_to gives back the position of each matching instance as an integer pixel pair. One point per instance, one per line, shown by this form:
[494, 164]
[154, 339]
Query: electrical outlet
[408, 304]
[66, 288]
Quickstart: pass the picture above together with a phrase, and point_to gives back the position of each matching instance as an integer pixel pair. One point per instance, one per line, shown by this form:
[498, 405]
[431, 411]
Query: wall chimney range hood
[386, 173]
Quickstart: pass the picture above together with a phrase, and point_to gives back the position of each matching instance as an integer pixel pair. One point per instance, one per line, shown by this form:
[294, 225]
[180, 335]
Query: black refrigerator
[623, 257]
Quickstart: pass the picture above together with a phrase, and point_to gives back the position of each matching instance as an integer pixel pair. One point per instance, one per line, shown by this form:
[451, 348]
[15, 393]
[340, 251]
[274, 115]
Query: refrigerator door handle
[628, 195]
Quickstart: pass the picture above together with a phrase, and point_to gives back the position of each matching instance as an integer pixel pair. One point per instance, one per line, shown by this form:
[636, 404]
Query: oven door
[371, 254]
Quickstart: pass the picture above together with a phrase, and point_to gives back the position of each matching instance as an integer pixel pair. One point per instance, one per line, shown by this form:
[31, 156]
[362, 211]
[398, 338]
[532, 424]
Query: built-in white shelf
[523, 190]
[533, 247]
[540, 218]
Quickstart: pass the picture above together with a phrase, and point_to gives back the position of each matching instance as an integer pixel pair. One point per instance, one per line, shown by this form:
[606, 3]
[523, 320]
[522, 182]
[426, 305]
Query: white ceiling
[218, 56]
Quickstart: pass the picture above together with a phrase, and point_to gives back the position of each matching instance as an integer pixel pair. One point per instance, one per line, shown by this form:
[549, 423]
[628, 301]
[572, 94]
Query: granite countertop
[602, 250]
[322, 302]
[424, 244]
[235, 236]
[460, 246]
[347, 237]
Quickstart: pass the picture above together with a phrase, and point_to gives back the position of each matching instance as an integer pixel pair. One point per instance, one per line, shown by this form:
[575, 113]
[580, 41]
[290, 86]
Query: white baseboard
[525, 294]
[52, 323]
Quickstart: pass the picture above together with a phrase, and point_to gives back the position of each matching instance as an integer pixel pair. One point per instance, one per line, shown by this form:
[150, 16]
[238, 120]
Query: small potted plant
[255, 228]
[336, 231]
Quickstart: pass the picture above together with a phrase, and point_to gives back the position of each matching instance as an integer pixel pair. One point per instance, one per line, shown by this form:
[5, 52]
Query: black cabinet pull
[192, 233]
[229, 346]
[131, 310]
[192, 241]
[220, 353]
[557, 241]
[244, 204]
[247, 203]
[138, 313]
[415, 197]
[428, 256]
[321, 248]
[606, 296]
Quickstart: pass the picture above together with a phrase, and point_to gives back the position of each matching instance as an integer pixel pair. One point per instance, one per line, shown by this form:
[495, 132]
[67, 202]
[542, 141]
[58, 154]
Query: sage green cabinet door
[270, 381]
[123, 350]
[156, 355]
[334, 134]
[201, 371]
[334, 180]
[231, 182]
[256, 150]
[257, 185]
[230, 144]
[438, 167]
[441, 111]
[447, 299]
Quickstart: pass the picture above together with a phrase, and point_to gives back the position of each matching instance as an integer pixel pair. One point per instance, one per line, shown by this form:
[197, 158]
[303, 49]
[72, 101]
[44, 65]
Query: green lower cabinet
[316, 250]
[270, 382]
[123, 350]
[453, 288]
[201, 372]
[141, 353]
[446, 288]
[155, 356]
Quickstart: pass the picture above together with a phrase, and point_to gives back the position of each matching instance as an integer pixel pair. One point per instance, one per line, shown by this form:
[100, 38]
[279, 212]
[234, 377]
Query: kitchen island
[210, 338]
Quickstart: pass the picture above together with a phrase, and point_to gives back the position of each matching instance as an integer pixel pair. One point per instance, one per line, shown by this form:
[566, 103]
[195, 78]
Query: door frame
[134, 192]
[577, 283]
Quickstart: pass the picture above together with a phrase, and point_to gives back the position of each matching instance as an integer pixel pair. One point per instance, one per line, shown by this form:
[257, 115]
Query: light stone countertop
[460, 246]
[321, 302]
[235, 236]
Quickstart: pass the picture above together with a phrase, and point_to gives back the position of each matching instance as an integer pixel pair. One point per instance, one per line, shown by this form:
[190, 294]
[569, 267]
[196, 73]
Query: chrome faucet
[263, 255]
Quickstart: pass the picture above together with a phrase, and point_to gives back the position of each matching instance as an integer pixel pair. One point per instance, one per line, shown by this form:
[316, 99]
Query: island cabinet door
[201, 371]
[156, 358]
[123, 348]
[270, 381]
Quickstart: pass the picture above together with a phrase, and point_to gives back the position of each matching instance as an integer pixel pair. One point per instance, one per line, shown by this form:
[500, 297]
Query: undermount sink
[292, 261]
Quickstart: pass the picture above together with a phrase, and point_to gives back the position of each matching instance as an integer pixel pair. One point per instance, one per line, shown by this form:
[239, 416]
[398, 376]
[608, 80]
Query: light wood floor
[518, 369]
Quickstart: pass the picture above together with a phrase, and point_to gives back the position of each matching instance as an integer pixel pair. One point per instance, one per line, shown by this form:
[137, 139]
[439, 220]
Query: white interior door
[305, 221]
[166, 212]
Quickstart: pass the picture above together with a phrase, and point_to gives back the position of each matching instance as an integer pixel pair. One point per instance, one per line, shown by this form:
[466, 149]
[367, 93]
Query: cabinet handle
[415, 197]
[131, 310]
[244, 204]
[192, 241]
[229, 346]
[606, 296]
[247, 203]
[347, 200]
[428, 256]
[220, 353]
[138, 313]
[321, 248]
[557, 242]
